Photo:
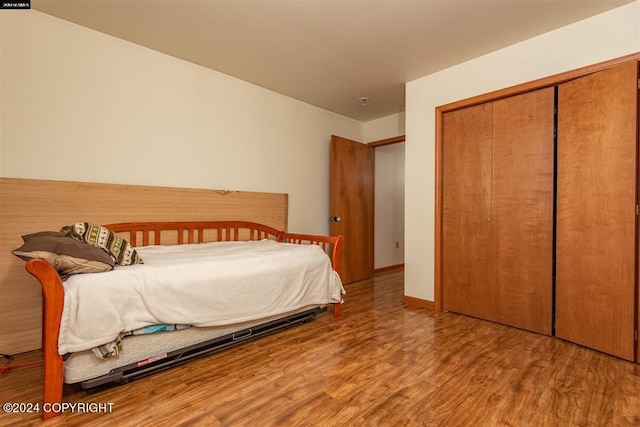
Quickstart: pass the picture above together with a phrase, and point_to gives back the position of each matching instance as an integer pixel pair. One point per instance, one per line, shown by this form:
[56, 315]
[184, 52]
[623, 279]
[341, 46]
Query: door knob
[335, 218]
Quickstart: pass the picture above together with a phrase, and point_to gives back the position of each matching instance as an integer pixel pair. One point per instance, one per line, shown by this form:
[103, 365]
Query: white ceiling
[327, 53]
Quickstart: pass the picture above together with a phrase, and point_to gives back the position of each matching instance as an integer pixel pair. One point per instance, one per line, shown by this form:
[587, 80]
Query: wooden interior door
[352, 206]
[596, 210]
[466, 212]
[522, 194]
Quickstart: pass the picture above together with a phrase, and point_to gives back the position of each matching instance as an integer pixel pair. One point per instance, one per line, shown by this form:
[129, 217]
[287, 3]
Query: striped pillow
[96, 235]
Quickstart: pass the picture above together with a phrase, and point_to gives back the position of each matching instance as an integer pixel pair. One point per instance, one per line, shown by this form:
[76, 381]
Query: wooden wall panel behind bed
[27, 206]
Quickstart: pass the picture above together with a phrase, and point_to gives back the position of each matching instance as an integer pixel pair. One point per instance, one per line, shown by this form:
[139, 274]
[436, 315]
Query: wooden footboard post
[335, 262]
[336, 309]
[52, 303]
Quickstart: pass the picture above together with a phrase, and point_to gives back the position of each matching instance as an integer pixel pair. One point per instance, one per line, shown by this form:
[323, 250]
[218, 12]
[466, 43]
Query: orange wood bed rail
[52, 303]
[53, 291]
[195, 230]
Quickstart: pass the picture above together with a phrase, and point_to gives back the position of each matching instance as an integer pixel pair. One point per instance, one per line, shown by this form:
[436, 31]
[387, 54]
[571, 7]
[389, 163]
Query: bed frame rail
[192, 231]
[185, 232]
[52, 304]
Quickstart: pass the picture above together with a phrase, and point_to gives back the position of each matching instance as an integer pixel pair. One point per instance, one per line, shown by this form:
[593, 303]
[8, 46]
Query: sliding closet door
[466, 212]
[522, 218]
[596, 210]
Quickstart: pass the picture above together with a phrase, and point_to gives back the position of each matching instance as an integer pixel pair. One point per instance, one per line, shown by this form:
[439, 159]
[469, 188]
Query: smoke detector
[364, 100]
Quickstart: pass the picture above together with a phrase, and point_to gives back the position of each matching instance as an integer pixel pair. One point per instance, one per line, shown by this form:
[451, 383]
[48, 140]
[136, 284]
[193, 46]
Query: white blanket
[209, 284]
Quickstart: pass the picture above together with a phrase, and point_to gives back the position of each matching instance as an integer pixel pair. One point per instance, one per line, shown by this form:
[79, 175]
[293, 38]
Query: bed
[70, 360]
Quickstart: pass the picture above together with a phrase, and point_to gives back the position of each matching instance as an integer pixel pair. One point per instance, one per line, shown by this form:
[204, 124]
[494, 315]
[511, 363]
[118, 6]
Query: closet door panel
[466, 205]
[522, 203]
[596, 202]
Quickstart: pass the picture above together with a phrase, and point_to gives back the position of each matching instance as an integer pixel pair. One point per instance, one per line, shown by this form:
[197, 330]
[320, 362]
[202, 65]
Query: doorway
[389, 207]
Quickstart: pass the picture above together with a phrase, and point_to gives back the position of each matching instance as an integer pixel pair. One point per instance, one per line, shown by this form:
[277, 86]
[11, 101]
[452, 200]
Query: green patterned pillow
[96, 235]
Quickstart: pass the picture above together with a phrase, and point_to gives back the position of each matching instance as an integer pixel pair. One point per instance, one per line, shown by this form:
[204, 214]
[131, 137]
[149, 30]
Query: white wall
[609, 35]
[84, 106]
[389, 206]
[386, 127]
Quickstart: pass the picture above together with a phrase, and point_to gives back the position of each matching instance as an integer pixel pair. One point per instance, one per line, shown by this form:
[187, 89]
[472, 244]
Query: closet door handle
[488, 219]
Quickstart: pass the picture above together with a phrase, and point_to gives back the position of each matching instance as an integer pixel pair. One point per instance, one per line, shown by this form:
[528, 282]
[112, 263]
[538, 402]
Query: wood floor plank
[380, 364]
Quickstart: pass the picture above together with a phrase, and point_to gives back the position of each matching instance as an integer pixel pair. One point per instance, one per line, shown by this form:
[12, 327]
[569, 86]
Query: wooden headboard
[28, 206]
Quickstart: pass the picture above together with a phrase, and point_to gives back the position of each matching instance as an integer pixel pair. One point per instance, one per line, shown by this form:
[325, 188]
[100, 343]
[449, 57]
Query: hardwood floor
[380, 364]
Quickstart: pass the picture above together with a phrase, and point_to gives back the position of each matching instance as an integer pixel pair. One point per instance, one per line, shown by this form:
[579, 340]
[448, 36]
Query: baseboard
[417, 302]
[389, 268]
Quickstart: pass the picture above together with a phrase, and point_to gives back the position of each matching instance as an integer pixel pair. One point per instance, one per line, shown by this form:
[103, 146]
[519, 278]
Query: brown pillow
[67, 255]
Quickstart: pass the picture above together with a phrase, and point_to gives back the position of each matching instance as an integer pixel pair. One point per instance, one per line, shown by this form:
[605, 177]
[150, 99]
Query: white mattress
[210, 284]
[85, 365]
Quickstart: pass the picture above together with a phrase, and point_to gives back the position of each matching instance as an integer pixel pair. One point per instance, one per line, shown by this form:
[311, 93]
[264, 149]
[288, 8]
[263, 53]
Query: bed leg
[52, 302]
[52, 387]
[336, 310]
